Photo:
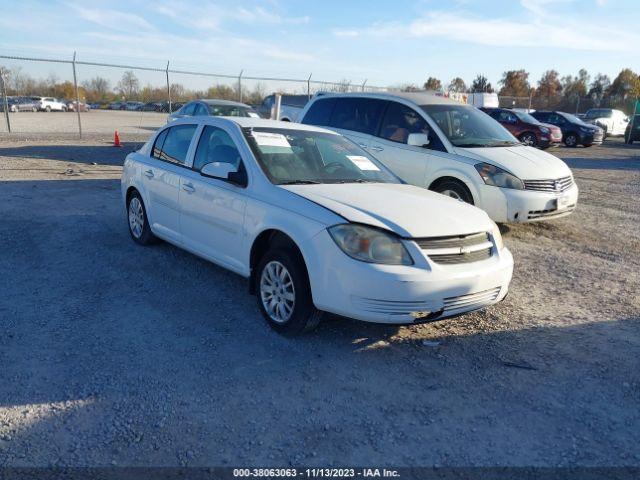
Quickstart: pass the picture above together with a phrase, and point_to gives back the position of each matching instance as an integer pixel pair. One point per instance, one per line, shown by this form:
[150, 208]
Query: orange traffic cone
[116, 140]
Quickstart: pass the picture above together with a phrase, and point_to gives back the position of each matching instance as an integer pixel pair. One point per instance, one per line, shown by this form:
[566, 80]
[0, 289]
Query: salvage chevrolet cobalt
[314, 222]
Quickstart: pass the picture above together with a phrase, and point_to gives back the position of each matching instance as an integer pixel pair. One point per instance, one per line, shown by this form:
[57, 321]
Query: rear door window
[320, 112]
[357, 114]
[175, 144]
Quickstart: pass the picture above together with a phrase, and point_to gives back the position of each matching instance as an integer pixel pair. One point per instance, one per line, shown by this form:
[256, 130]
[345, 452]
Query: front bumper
[591, 139]
[506, 205]
[396, 294]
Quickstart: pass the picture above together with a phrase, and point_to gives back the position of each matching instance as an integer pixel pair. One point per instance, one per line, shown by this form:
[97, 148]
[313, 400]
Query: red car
[526, 128]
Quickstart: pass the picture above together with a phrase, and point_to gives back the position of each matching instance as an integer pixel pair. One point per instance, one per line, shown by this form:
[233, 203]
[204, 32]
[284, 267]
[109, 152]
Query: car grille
[390, 307]
[470, 301]
[559, 185]
[457, 249]
[533, 214]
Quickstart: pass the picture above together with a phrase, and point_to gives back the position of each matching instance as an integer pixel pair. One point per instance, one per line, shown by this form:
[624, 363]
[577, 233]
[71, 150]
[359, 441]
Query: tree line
[551, 90]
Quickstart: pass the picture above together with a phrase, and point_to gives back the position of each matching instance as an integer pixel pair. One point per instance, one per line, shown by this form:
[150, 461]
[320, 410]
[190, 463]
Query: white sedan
[314, 222]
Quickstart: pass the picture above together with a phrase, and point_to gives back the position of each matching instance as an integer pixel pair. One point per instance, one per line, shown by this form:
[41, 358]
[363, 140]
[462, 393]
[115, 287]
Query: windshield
[598, 113]
[468, 127]
[298, 156]
[574, 119]
[525, 117]
[231, 111]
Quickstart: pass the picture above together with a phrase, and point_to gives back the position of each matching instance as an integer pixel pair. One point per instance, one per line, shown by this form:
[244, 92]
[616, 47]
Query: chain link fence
[139, 101]
[572, 104]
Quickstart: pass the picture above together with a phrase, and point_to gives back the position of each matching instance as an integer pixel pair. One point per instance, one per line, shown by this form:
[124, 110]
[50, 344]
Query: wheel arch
[266, 240]
[450, 176]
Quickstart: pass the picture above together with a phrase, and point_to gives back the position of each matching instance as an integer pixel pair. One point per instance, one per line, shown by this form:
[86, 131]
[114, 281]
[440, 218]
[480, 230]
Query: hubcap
[136, 217]
[277, 292]
[452, 194]
[527, 140]
[571, 140]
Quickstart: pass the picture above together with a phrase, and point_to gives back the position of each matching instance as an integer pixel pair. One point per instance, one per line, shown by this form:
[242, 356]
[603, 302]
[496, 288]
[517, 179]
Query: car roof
[251, 122]
[419, 98]
[215, 101]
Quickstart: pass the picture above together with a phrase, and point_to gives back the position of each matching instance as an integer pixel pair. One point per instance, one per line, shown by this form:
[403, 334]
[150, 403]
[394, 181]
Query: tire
[34, 109]
[454, 189]
[571, 140]
[137, 220]
[284, 294]
[529, 138]
[64, 109]
[47, 108]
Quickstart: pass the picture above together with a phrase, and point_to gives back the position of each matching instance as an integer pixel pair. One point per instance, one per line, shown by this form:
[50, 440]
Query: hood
[409, 211]
[550, 126]
[526, 163]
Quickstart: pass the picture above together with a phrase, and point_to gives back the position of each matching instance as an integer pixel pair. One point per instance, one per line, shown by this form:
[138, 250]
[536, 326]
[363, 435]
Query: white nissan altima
[314, 222]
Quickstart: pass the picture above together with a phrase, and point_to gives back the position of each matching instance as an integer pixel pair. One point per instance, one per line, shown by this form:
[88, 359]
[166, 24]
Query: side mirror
[418, 139]
[218, 170]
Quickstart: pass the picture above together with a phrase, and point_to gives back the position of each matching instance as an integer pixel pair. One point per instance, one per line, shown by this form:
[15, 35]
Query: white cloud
[112, 19]
[541, 28]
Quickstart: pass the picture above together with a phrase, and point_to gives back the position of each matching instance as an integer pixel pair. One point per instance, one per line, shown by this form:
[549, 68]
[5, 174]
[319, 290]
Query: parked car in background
[27, 104]
[116, 105]
[214, 108]
[451, 148]
[12, 104]
[151, 107]
[574, 131]
[71, 106]
[632, 132]
[613, 122]
[133, 106]
[50, 104]
[526, 128]
[314, 222]
[290, 107]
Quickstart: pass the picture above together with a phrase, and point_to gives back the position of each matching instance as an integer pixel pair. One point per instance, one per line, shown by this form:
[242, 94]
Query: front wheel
[529, 139]
[571, 140]
[138, 222]
[284, 293]
[454, 189]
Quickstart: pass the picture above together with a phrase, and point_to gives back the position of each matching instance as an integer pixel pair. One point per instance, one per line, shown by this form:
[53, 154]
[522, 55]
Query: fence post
[530, 95]
[4, 99]
[168, 88]
[363, 84]
[75, 85]
[240, 86]
[309, 87]
[578, 104]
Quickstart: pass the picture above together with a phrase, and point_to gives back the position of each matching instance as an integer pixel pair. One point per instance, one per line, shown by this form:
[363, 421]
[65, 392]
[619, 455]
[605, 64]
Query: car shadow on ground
[105, 154]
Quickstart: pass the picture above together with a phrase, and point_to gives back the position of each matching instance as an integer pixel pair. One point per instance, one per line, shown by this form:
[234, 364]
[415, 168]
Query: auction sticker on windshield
[266, 139]
[363, 163]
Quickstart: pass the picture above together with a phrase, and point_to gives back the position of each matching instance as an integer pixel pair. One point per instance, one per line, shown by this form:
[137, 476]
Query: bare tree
[129, 86]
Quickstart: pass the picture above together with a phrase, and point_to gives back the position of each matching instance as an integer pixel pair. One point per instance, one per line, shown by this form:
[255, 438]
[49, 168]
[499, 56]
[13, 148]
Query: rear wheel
[571, 140]
[284, 293]
[529, 138]
[47, 108]
[454, 189]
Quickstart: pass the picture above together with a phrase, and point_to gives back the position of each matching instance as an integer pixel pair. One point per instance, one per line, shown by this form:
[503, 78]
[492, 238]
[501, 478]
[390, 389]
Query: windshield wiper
[356, 180]
[300, 182]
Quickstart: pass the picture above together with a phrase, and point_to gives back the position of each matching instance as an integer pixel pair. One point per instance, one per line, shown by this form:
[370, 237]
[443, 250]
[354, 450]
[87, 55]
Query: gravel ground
[114, 354]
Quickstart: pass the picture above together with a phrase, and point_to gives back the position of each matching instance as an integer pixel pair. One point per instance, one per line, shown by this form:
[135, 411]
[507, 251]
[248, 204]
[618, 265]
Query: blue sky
[385, 42]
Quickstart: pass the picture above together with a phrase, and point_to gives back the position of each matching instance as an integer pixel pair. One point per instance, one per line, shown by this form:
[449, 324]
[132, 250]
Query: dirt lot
[93, 121]
[114, 354]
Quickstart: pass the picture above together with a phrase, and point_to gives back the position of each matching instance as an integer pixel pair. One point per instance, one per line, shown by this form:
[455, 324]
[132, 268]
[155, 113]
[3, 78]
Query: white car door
[212, 209]
[161, 179]
[410, 163]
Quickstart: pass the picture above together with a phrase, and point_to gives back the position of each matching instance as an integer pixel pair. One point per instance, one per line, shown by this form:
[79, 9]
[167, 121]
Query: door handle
[149, 173]
[377, 149]
[187, 187]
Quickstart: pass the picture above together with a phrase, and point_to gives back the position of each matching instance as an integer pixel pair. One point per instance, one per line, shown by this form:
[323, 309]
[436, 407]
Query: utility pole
[4, 98]
[75, 85]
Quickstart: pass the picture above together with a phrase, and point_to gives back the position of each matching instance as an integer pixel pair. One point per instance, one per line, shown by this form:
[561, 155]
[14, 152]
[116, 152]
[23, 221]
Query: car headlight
[370, 245]
[544, 130]
[497, 237]
[498, 177]
[586, 130]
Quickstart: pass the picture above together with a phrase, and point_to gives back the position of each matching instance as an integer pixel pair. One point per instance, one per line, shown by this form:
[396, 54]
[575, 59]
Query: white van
[451, 148]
